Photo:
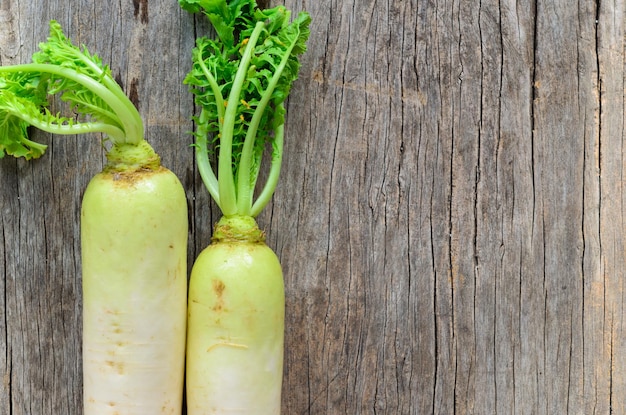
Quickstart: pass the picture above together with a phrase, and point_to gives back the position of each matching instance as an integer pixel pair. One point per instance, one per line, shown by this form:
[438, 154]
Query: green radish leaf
[20, 94]
[240, 82]
[97, 103]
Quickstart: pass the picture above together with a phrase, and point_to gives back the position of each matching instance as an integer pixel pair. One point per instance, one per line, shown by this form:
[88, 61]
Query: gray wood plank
[449, 218]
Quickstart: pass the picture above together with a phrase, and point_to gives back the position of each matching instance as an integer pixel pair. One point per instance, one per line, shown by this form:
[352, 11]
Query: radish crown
[80, 79]
[240, 82]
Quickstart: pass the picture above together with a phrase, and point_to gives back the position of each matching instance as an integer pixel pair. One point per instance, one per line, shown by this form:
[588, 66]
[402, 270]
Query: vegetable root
[133, 229]
[236, 296]
[235, 327]
[134, 240]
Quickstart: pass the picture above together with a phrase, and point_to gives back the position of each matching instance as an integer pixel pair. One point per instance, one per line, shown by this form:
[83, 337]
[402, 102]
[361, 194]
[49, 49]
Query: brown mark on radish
[218, 287]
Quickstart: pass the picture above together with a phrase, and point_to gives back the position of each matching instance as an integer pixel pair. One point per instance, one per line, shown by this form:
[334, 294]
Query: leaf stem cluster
[240, 82]
[81, 80]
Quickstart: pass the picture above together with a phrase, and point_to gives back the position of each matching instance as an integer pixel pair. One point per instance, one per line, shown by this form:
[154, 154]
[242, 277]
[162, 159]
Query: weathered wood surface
[450, 216]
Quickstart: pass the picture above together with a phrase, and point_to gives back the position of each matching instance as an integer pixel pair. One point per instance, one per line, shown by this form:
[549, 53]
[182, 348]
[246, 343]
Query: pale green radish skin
[235, 330]
[134, 253]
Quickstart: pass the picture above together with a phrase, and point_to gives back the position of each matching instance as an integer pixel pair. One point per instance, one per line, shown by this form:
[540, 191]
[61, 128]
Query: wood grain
[450, 216]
